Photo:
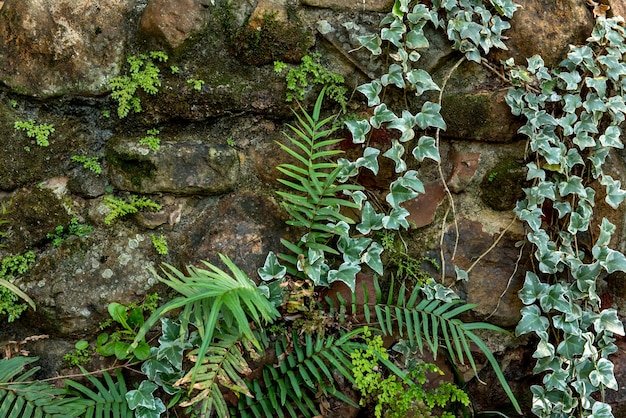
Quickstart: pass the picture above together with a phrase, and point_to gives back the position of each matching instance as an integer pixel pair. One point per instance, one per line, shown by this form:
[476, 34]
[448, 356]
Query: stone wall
[214, 174]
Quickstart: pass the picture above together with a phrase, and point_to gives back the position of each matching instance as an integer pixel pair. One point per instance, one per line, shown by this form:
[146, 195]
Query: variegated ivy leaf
[357, 196]
[614, 193]
[395, 76]
[341, 228]
[532, 321]
[434, 290]
[402, 190]
[584, 140]
[567, 123]
[597, 158]
[272, 269]
[394, 33]
[571, 346]
[598, 84]
[396, 219]
[426, 148]
[359, 129]
[352, 248]
[556, 380]
[370, 220]
[614, 261]
[405, 125]
[372, 257]
[563, 208]
[371, 91]
[535, 172]
[369, 159]
[415, 37]
[554, 298]
[533, 288]
[608, 321]
[421, 81]
[573, 185]
[421, 13]
[572, 102]
[546, 350]
[381, 115]
[371, 42]
[395, 153]
[611, 137]
[410, 180]
[603, 375]
[461, 274]
[346, 273]
[572, 79]
[430, 117]
[601, 410]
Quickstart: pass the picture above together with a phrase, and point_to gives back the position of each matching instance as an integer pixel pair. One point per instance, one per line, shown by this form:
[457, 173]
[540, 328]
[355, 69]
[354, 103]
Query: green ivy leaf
[572, 79]
[614, 193]
[557, 380]
[352, 248]
[399, 193]
[573, 185]
[461, 274]
[272, 269]
[426, 148]
[405, 125]
[601, 410]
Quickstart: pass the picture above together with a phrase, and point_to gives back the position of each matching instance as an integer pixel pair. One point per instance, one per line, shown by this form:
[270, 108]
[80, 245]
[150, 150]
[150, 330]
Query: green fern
[106, 401]
[212, 299]
[222, 366]
[305, 370]
[22, 398]
[315, 201]
[430, 323]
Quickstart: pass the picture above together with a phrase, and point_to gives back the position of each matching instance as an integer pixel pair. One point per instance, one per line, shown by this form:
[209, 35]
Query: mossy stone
[502, 186]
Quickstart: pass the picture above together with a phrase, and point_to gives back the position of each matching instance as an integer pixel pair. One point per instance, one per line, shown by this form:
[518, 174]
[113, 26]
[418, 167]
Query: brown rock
[356, 5]
[50, 47]
[546, 27]
[495, 280]
[172, 21]
[423, 208]
[464, 166]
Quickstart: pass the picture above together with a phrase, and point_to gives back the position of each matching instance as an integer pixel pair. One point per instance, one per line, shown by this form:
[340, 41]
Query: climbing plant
[573, 115]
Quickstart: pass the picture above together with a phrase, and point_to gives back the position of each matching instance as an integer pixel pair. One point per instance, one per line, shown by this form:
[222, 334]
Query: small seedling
[41, 132]
[196, 84]
[160, 243]
[151, 139]
[80, 355]
[90, 163]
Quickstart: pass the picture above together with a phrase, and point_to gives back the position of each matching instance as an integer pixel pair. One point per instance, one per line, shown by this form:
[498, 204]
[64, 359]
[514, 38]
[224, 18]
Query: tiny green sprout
[40, 132]
[13, 103]
[279, 66]
[27, 148]
[492, 176]
[90, 163]
[174, 69]
[80, 355]
[160, 243]
[196, 84]
[151, 139]
[230, 141]
[106, 113]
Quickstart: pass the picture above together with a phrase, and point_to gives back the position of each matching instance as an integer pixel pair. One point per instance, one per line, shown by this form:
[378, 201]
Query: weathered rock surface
[547, 28]
[172, 22]
[187, 166]
[52, 47]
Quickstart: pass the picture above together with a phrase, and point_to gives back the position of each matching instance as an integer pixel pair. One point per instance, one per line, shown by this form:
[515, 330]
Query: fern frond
[305, 369]
[108, 401]
[210, 295]
[431, 324]
[222, 366]
[21, 398]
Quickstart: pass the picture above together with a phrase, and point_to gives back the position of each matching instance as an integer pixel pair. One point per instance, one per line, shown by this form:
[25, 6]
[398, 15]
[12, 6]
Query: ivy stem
[440, 168]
